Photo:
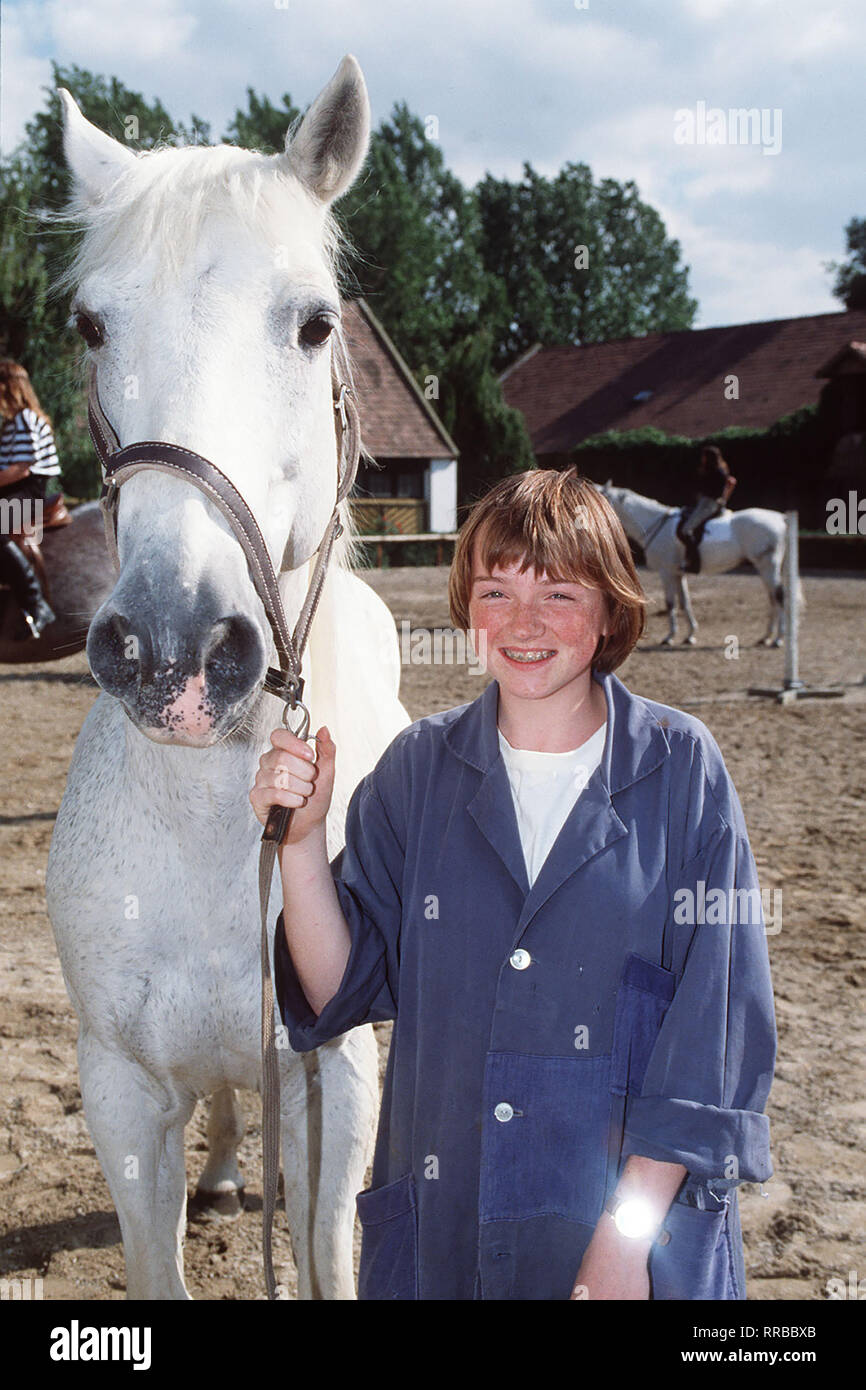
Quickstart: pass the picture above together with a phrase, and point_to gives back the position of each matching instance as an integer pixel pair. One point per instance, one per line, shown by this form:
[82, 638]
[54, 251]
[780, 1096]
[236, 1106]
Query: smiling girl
[578, 1068]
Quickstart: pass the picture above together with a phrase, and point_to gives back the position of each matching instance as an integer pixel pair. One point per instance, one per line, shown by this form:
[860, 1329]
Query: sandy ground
[801, 775]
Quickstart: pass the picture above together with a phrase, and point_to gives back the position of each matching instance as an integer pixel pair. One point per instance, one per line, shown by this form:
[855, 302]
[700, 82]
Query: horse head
[206, 292]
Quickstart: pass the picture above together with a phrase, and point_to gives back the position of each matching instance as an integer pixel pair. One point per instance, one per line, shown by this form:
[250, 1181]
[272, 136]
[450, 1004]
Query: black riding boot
[18, 572]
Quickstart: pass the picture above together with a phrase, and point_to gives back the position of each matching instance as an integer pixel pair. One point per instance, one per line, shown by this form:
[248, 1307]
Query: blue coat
[542, 1035]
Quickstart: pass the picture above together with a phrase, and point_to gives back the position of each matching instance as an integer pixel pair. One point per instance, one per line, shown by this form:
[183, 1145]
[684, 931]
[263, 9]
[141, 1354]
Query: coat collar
[635, 745]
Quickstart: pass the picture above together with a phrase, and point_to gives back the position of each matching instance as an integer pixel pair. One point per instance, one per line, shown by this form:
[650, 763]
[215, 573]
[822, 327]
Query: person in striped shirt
[28, 459]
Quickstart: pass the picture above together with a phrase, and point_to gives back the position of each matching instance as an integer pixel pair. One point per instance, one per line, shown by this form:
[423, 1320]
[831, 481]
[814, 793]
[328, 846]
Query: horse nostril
[117, 655]
[234, 657]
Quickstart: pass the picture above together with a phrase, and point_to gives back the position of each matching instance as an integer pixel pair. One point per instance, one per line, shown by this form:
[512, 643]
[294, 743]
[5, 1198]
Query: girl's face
[541, 635]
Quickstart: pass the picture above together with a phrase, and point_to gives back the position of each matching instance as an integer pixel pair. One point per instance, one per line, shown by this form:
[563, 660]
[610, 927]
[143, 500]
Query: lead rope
[278, 824]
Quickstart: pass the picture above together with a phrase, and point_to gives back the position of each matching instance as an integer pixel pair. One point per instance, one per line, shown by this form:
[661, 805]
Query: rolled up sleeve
[711, 1067]
[368, 877]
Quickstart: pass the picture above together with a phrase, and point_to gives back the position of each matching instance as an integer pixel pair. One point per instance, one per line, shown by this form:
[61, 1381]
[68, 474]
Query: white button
[521, 959]
[503, 1111]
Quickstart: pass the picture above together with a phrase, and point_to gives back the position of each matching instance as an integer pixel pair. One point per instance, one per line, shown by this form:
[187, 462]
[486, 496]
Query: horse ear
[331, 142]
[95, 160]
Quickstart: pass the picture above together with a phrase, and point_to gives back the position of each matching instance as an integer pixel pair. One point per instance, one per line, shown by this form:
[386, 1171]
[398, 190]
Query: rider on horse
[27, 459]
[715, 485]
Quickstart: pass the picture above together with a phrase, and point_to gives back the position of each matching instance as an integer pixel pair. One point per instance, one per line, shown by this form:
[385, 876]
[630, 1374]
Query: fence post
[792, 606]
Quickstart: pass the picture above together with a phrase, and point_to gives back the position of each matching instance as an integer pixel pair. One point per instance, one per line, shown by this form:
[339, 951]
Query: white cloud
[743, 279]
[109, 32]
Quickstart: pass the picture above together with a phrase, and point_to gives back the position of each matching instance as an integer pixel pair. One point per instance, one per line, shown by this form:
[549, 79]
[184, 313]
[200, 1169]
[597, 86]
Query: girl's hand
[291, 774]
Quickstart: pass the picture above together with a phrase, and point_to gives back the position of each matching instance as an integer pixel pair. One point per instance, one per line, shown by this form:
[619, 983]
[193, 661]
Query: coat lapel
[634, 746]
[492, 809]
[475, 739]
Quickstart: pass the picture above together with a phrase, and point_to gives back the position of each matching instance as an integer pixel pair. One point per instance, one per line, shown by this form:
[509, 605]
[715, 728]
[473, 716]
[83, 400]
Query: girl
[28, 459]
[582, 1047]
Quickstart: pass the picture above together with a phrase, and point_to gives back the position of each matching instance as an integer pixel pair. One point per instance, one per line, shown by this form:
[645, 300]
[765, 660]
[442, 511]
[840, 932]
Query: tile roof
[568, 393]
[396, 420]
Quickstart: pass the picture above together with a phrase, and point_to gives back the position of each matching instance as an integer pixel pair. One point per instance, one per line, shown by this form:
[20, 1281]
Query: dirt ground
[801, 775]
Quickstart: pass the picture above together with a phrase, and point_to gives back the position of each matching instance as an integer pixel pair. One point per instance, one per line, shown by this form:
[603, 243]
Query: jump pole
[794, 688]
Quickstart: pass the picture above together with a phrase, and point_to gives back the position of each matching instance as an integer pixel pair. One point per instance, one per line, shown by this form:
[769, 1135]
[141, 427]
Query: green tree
[850, 284]
[34, 325]
[262, 126]
[491, 435]
[580, 261]
[415, 232]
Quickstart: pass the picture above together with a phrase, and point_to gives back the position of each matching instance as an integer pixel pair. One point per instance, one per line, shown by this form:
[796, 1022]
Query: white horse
[754, 534]
[206, 289]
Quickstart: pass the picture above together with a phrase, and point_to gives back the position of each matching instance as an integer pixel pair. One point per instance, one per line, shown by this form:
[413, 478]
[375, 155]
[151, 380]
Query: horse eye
[316, 331]
[90, 331]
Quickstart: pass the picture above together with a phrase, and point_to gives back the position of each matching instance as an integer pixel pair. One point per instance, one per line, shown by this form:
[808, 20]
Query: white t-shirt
[545, 786]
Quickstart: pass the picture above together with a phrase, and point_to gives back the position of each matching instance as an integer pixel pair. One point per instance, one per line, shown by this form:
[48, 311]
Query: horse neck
[645, 510]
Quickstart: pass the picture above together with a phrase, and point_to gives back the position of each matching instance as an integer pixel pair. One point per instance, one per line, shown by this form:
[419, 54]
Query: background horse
[754, 534]
[207, 293]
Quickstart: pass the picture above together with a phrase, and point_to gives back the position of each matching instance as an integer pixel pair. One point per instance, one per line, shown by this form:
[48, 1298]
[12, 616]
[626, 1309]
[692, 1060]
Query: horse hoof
[777, 642]
[690, 641]
[666, 642]
[217, 1206]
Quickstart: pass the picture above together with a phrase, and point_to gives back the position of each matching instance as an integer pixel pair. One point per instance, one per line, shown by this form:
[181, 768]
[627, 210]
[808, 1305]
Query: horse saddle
[692, 539]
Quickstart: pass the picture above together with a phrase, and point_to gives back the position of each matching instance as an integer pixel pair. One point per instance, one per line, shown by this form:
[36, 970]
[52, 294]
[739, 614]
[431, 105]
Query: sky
[646, 90]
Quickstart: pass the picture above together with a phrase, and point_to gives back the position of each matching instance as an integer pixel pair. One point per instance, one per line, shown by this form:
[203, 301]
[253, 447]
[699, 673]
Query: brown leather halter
[119, 464]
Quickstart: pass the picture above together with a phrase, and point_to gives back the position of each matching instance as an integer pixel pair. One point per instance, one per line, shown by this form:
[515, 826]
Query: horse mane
[653, 501]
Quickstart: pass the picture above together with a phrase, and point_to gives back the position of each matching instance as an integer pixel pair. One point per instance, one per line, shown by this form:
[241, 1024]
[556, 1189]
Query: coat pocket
[697, 1262]
[544, 1136]
[642, 1000]
[389, 1244]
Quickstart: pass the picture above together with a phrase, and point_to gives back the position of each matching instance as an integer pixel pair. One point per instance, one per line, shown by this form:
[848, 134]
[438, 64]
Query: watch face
[636, 1218]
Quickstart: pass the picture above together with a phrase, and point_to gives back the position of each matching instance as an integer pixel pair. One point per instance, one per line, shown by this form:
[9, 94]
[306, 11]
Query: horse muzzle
[184, 674]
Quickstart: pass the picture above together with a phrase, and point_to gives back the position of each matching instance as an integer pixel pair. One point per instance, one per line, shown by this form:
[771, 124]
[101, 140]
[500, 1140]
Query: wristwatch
[633, 1217]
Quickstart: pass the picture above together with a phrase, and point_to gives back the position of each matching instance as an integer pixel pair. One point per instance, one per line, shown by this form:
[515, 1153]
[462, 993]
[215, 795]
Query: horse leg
[669, 580]
[137, 1130]
[329, 1116]
[220, 1190]
[686, 606]
[769, 567]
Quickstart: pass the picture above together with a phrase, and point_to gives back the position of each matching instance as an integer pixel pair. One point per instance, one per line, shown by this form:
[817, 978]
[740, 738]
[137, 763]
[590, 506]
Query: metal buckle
[288, 688]
[340, 405]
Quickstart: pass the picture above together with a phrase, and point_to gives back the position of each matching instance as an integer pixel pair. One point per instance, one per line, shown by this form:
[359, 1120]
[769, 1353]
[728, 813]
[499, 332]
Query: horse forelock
[163, 199]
